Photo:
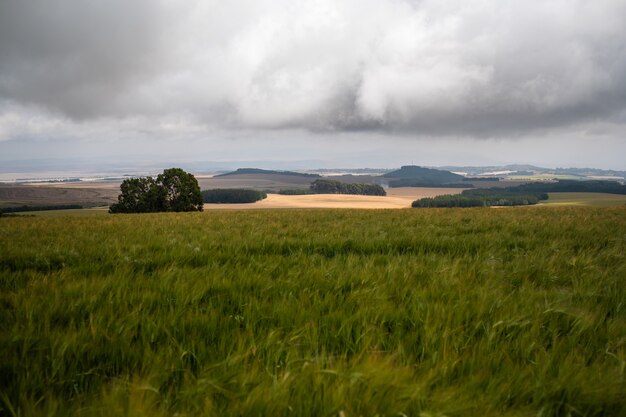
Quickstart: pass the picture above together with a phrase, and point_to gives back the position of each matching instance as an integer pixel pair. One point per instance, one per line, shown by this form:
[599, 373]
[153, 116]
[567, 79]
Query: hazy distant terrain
[535, 172]
[89, 193]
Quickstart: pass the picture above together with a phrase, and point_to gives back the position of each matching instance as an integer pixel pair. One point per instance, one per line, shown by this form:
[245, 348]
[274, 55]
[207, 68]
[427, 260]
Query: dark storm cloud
[426, 67]
[76, 57]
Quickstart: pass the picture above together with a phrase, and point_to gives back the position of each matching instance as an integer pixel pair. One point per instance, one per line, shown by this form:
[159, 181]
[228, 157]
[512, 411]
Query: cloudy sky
[349, 83]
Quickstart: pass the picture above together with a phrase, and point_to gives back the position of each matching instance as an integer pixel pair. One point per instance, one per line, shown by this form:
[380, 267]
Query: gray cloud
[76, 57]
[428, 67]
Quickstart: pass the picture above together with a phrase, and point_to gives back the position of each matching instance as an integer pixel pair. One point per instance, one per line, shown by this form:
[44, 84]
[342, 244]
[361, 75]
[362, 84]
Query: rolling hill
[411, 175]
[258, 171]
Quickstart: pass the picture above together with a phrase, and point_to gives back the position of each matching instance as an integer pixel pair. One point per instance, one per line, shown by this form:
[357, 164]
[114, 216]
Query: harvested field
[42, 195]
[396, 198]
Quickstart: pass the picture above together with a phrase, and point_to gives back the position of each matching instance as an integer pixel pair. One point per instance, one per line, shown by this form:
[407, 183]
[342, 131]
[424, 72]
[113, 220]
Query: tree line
[521, 195]
[295, 191]
[571, 186]
[232, 196]
[485, 200]
[326, 186]
[25, 208]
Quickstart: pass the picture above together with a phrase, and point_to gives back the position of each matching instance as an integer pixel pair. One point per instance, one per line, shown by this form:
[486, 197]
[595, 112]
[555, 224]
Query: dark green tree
[180, 190]
[327, 186]
[173, 190]
[138, 195]
[232, 196]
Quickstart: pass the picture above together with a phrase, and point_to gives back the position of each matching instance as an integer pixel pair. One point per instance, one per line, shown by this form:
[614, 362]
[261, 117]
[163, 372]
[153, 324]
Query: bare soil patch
[43, 195]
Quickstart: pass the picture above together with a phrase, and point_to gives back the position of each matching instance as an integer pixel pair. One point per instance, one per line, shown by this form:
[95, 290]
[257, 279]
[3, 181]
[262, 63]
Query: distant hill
[259, 179]
[257, 171]
[414, 175]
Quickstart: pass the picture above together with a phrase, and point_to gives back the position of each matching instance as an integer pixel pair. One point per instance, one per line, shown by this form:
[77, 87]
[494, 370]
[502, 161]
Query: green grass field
[438, 312]
[586, 199]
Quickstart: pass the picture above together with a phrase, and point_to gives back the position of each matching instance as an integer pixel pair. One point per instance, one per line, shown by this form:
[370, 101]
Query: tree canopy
[327, 186]
[173, 190]
[232, 196]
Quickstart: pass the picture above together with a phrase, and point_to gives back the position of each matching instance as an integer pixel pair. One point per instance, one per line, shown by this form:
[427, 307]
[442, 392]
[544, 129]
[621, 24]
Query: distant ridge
[519, 169]
[412, 174]
[243, 171]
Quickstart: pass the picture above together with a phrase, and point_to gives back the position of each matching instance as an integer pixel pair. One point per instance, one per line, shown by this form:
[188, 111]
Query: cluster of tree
[173, 190]
[295, 191]
[20, 209]
[326, 186]
[571, 186]
[486, 200]
[242, 171]
[232, 196]
[485, 197]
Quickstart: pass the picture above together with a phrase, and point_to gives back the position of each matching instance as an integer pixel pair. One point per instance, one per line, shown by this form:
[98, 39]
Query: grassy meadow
[435, 312]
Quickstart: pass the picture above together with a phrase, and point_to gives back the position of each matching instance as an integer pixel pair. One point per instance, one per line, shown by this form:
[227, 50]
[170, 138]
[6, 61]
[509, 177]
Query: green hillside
[414, 175]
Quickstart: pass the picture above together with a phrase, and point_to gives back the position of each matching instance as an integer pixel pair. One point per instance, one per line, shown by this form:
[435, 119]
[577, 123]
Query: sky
[306, 84]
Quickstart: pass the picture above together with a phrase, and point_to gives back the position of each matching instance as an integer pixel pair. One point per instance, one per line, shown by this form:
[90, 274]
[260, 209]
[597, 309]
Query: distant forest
[477, 200]
[296, 191]
[570, 186]
[521, 195]
[25, 208]
[232, 196]
[326, 186]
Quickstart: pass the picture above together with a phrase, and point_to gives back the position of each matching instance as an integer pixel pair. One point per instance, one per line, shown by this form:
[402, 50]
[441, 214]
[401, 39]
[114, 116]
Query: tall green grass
[468, 312]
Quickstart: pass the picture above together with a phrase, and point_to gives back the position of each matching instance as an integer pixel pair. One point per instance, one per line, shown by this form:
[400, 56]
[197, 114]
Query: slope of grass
[475, 312]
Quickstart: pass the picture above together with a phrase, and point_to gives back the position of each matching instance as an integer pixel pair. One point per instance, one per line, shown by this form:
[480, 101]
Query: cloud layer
[483, 68]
